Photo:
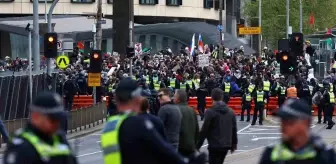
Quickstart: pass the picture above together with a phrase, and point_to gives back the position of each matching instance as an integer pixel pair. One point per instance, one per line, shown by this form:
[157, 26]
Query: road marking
[264, 138]
[259, 133]
[256, 129]
[267, 126]
[83, 155]
[96, 134]
[98, 141]
[243, 129]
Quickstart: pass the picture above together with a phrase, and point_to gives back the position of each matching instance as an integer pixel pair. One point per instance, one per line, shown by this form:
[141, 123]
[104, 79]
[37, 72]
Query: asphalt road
[249, 138]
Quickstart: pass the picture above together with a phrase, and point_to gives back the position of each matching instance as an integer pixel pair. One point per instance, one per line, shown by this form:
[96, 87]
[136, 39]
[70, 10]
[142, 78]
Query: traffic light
[96, 61]
[296, 44]
[130, 52]
[50, 45]
[288, 63]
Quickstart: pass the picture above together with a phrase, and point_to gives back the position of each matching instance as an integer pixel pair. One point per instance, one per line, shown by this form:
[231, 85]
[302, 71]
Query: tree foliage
[274, 17]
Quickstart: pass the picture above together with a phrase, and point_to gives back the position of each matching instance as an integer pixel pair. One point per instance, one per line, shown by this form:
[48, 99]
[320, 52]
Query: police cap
[294, 109]
[50, 104]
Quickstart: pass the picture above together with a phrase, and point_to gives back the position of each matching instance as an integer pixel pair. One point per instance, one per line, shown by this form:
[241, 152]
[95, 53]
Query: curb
[84, 133]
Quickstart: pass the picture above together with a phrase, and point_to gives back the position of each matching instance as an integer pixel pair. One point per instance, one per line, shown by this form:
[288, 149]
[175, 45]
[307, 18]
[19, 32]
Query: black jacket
[219, 127]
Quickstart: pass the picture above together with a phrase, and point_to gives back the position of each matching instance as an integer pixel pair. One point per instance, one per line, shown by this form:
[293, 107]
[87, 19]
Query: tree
[274, 17]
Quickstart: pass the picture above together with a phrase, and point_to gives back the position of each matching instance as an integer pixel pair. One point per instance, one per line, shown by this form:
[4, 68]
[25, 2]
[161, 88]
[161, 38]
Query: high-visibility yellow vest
[248, 97]
[183, 86]
[251, 88]
[189, 82]
[110, 88]
[147, 80]
[332, 97]
[281, 153]
[283, 90]
[334, 65]
[133, 77]
[110, 139]
[45, 150]
[157, 85]
[172, 82]
[260, 96]
[196, 83]
[331, 87]
[267, 86]
[227, 87]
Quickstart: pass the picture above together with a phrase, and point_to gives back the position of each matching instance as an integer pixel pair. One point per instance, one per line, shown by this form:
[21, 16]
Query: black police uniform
[329, 101]
[246, 105]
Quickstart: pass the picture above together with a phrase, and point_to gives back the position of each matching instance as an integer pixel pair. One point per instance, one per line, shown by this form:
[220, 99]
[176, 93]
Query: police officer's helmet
[49, 103]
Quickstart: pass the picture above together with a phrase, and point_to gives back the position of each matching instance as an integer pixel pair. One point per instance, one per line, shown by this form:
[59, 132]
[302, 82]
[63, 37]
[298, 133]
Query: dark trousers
[320, 110]
[246, 107]
[281, 100]
[217, 156]
[259, 107]
[329, 110]
[201, 108]
[68, 104]
[226, 98]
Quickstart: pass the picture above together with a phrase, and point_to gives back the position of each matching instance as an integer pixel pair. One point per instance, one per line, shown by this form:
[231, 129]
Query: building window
[110, 1]
[173, 2]
[152, 42]
[164, 42]
[83, 1]
[217, 5]
[208, 4]
[6, 1]
[142, 39]
[148, 2]
[43, 1]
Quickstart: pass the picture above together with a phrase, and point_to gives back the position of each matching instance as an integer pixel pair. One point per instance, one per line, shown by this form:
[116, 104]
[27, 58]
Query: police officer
[329, 102]
[259, 100]
[227, 90]
[281, 92]
[305, 93]
[247, 99]
[39, 142]
[129, 139]
[298, 144]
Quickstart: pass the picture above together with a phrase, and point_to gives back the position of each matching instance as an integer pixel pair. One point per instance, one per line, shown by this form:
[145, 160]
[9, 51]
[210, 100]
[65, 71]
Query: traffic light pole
[94, 31]
[36, 35]
[30, 64]
[131, 24]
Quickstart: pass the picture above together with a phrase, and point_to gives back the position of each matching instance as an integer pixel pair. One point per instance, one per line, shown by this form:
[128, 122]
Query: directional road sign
[62, 61]
[94, 79]
[249, 30]
[59, 45]
[220, 28]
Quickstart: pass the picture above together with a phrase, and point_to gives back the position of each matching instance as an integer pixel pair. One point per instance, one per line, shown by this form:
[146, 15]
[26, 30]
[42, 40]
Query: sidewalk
[253, 156]
[72, 135]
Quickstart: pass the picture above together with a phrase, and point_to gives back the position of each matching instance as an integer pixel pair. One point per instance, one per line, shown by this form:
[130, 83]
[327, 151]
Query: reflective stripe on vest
[332, 97]
[283, 90]
[260, 96]
[172, 82]
[157, 85]
[110, 88]
[248, 97]
[189, 82]
[110, 139]
[227, 87]
[196, 83]
[183, 86]
[45, 150]
[282, 153]
[331, 87]
[267, 85]
[147, 80]
[251, 88]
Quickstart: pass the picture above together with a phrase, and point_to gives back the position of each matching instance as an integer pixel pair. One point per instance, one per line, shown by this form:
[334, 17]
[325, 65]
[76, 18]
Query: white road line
[96, 134]
[98, 141]
[264, 138]
[243, 129]
[83, 155]
[260, 133]
[267, 126]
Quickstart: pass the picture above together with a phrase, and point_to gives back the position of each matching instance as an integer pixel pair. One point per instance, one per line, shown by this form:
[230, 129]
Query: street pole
[45, 12]
[301, 26]
[48, 18]
[94, 31]
[259, 23]
[220, 23]
[36, 36]
[287, 18]
[131, 25]
[99, 25]
[30, 65]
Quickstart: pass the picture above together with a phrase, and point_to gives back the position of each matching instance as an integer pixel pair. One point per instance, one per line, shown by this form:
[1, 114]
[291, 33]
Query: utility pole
[259, 23]
[131, 25]
[99, 25]
[301, 16]
[36, 35]
[287, 19]
[220, 23]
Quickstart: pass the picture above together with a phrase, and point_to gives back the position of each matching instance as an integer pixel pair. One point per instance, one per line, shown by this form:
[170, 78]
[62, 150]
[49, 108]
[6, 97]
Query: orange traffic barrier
[82, 101]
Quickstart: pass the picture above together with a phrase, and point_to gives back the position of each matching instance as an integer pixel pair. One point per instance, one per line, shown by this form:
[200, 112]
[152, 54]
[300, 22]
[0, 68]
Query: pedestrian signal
[296, 44]
[96, 61]
[50, 45]
[62, 61]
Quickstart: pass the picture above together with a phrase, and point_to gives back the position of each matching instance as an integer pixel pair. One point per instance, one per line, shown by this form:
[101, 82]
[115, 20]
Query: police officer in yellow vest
[227, 90]
[246, 105]
[329, 102]
[298, 144]
[281, 93]
[129, 139]
[41, 141]
[259, 101]
[173, 83]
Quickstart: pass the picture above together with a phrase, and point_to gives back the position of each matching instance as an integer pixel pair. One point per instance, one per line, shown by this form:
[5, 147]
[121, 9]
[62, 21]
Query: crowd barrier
[77, 119]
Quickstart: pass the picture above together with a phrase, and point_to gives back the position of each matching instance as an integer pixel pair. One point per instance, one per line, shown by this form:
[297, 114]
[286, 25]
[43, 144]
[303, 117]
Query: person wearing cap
[128, 138]
[281, 93]
[40, 141]
[259, 99]
[298, 144]
[329, 104]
